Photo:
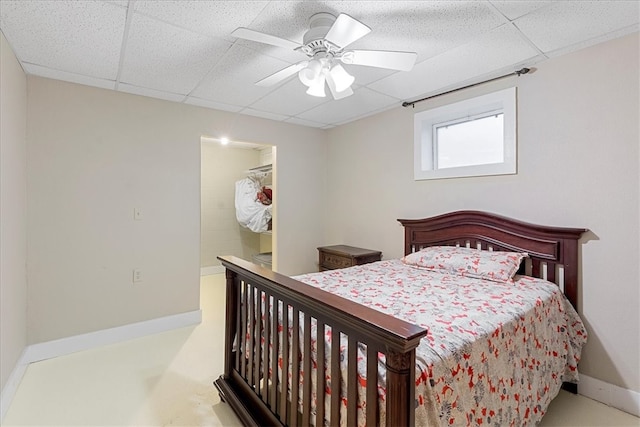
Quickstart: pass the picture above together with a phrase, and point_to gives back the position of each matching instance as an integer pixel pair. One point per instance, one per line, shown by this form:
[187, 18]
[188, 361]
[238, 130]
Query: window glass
[473, 137]
[473, 142]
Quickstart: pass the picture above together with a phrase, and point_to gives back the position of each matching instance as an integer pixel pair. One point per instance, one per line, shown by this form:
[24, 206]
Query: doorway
[222, 166]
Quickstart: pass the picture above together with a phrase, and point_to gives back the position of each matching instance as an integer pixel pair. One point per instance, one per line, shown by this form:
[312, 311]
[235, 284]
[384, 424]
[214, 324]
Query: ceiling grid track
[125, 37]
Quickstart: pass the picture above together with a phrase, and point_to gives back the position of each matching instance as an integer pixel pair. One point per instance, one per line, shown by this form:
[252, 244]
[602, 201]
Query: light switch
[137, 214]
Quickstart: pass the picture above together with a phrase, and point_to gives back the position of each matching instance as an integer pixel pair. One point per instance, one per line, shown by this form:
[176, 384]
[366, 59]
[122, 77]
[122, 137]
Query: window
[474, 137]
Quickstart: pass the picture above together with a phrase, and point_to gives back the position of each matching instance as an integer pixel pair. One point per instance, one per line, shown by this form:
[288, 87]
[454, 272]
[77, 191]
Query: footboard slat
[320, 373]
[295, 367]
[257, 354]
[306, 369]
[273, 401]
[266, 356]
[352, 380]
[240, 338]
[269, 377]
[372, 387]
[252, 335]
[284, 378]
[335, 378]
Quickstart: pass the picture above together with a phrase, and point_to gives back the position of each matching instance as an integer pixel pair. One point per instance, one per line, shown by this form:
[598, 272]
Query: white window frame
[503, 101]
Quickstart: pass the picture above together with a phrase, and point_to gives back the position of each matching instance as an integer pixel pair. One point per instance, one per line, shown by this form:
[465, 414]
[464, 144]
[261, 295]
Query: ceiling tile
[362, 102]
[430, 28]
[218, 19]
[569, 22]
[365, 75]
[233, 79]
[212, 18]
[287, 19]
[284, 19]
[167, 58]
[289, 99]
[79, 37]
[502, 47]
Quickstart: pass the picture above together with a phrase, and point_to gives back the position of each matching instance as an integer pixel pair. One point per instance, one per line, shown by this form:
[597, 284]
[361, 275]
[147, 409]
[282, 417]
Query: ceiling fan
[324, 43]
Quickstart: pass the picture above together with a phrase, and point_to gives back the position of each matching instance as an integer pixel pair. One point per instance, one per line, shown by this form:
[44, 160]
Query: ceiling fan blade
[257, 36]
[345, 30]
[279, 76]
[401, 61]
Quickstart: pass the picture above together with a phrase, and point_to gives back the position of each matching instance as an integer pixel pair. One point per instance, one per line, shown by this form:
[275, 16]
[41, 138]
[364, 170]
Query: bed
[274, 324]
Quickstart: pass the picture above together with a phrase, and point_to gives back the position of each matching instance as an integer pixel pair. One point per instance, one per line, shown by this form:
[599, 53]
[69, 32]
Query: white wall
[578, 141]
[13, 207]
[95, 155]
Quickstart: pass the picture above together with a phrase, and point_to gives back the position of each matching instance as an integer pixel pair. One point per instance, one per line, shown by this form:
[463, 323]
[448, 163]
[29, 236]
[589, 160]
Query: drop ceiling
[183, 51]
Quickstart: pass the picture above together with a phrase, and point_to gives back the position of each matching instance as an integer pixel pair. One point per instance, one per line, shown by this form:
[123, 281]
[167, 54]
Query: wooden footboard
[266, 372]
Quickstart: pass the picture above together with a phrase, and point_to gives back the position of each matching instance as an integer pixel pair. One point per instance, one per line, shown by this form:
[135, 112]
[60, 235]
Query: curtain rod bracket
[516, 73]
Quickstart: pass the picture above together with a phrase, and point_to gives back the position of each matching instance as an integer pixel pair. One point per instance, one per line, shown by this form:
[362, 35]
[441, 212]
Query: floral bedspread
[495, 354]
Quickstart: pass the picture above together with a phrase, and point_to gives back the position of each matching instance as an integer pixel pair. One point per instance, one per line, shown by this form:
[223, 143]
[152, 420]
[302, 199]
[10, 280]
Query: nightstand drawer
[342, 256]
[331, 261]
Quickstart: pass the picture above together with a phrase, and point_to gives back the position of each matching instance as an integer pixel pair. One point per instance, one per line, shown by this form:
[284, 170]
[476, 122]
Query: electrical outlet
[137, 275]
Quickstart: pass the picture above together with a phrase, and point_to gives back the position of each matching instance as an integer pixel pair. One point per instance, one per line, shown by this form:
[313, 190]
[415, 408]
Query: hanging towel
[250, 212]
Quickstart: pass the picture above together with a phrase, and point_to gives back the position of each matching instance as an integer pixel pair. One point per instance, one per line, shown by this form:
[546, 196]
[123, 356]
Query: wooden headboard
[553, 251]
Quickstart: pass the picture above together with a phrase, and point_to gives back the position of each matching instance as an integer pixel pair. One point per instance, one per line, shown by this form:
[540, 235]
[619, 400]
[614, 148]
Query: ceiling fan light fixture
[309, 75]
[341, 78]
[317, 88]
[332, 87]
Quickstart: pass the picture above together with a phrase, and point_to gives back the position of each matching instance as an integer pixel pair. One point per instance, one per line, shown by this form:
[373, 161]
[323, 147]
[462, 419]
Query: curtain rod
[515, 73]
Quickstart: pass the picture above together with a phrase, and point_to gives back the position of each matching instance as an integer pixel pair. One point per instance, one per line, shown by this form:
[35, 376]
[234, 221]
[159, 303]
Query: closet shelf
[263, 168]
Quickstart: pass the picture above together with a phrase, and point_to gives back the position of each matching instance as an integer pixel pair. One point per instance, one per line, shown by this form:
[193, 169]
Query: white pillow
[497, 266]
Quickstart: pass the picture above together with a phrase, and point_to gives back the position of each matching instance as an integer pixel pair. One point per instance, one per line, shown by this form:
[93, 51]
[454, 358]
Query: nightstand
[341, 256]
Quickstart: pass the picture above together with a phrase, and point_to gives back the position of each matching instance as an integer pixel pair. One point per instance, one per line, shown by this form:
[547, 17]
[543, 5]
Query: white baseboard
[64, 346]
[621, 398]
[213, 269]
[10, 388]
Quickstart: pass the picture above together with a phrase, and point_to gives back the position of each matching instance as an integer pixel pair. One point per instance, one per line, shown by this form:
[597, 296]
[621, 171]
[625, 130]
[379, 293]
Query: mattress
[496, 353]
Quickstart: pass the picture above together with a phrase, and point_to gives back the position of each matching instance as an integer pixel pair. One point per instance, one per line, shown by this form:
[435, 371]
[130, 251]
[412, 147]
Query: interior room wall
[220, 232]
[578, 142]
[13, 207]
[94, 156]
